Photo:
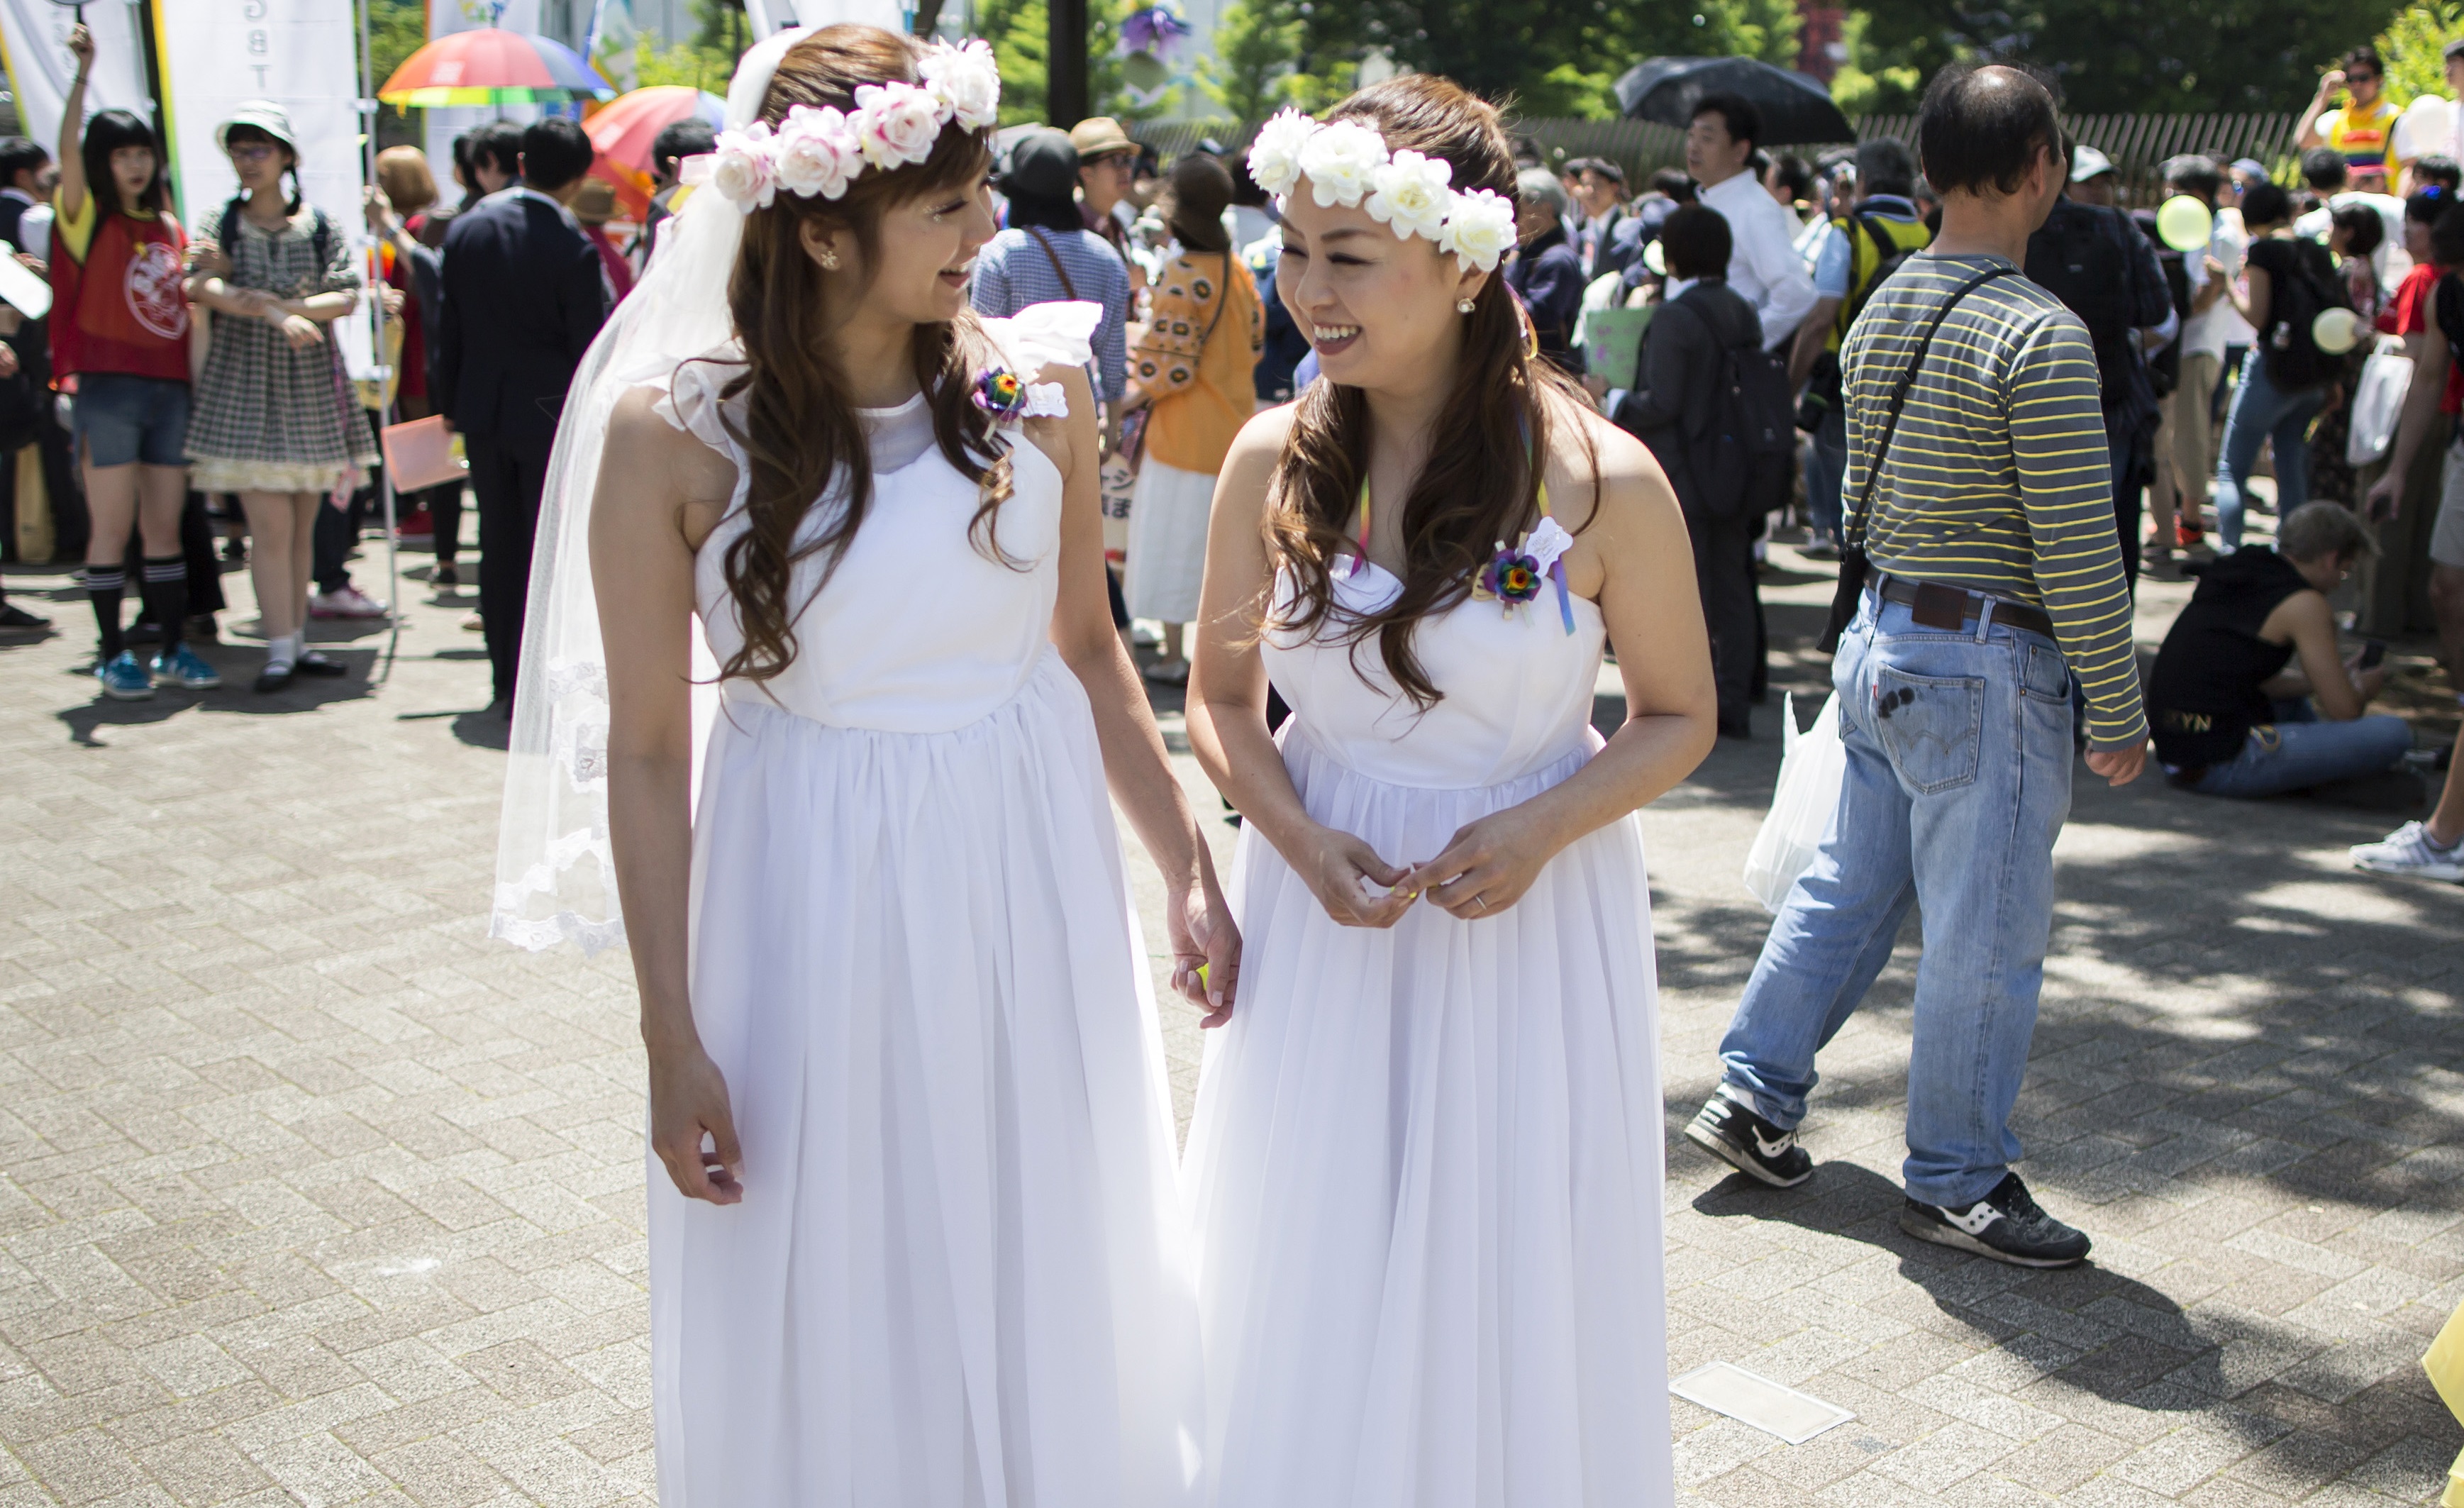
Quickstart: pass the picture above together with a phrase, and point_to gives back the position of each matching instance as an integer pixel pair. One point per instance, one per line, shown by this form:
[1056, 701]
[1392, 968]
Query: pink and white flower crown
[819, 149]
[1347, 162]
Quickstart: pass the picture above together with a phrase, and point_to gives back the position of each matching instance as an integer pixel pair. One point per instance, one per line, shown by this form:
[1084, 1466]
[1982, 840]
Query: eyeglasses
[254, 151]
[2360, 79]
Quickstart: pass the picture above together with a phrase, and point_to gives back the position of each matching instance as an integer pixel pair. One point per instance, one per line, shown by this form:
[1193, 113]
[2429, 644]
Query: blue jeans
[1959, 779]
[2261, 410]
[2299, 750]
[1827, 474]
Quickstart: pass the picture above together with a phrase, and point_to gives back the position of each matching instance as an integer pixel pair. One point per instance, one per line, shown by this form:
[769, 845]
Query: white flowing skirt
[1427, 1166]
[1167, 558]
[961, 1272]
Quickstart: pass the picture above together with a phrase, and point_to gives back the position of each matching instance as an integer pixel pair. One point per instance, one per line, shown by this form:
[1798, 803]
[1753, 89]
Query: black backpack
[2079, 258]
[1740, 457]
[2294, 359]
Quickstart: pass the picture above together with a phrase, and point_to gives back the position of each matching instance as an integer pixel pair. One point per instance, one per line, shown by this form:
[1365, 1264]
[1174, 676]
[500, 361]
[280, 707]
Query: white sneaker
[2410, 850]
[348, 603]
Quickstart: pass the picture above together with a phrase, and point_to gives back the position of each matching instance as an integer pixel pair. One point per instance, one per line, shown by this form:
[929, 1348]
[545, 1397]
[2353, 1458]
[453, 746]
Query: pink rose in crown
[896, 123]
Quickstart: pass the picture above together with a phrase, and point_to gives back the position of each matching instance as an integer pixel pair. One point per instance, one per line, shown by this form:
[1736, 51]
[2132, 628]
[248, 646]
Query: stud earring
[1462, 306]
[830, 260]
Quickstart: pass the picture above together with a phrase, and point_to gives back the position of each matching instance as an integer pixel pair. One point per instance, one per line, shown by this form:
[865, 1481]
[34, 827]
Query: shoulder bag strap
[1054, 257]
[1857, 520]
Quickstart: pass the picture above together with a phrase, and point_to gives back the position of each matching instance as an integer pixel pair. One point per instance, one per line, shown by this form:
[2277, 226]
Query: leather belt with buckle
[1934, 606]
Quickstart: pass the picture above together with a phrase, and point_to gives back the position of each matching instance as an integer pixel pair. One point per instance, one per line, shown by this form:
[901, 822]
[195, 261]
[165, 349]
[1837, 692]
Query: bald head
[1983, 130]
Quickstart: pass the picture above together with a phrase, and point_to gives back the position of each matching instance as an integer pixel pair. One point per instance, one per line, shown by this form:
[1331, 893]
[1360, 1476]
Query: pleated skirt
[961, 1273]
[1427, 1167]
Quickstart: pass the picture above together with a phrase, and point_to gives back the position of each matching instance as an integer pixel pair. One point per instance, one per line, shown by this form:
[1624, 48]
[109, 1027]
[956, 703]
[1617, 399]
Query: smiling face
[1378, 309]
[922, 252]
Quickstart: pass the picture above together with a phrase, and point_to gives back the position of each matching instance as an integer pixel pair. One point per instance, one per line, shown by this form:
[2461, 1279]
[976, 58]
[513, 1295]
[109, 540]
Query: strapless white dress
[960, 1274]
[1427, 1161]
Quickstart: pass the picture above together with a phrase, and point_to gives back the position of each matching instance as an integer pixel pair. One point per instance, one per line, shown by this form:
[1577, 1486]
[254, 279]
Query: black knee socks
[165, 593]
[103, 586]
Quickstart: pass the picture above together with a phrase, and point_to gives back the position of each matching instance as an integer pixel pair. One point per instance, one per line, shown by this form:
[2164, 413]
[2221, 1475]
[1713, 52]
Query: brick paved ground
[310, 1195]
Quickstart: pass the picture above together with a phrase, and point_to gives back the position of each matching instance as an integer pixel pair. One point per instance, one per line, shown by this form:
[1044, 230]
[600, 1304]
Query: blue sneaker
[123, 679]
[185, 670]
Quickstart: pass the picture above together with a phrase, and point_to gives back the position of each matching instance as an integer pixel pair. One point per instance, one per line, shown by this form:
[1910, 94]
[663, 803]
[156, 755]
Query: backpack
[2294, 359]
[1741, 455]
[321, 234]
[2078, 259]
[1822, 395]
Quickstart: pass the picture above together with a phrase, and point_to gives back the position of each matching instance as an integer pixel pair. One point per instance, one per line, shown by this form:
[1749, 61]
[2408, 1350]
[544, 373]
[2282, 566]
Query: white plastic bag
[1812, 768]
[2378, 399]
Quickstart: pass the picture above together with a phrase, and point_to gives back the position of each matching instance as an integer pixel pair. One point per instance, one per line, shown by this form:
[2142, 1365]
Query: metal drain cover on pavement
[1724, 1387]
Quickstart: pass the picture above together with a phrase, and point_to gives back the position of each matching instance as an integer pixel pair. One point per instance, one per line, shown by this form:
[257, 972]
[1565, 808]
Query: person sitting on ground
[2233, 716]
[1545, 274]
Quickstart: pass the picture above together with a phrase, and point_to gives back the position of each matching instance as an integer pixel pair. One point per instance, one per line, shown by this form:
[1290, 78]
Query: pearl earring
[1462, 306]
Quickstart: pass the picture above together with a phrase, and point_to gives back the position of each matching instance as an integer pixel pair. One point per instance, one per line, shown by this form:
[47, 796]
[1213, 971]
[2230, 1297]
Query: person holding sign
[120, 329]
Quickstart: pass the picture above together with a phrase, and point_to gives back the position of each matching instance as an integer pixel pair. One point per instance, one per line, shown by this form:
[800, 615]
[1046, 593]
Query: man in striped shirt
[1998, 584]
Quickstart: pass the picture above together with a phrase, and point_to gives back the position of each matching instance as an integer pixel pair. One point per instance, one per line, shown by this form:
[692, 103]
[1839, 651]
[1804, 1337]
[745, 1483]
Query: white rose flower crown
[819, 149]
[1347, 162]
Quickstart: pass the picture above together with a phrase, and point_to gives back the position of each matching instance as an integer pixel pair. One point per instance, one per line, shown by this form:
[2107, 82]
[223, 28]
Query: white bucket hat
[265, 115]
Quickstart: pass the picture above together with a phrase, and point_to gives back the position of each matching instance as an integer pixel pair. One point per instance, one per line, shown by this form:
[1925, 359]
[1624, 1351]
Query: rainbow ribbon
[1565, 598]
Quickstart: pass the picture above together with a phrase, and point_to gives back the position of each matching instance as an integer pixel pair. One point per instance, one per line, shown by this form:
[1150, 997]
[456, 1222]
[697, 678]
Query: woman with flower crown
[915, 1236]
[1426, 1161]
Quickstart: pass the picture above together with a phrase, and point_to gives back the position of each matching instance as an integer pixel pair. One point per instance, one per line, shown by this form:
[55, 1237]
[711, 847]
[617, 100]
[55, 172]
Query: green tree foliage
[2126, 55]
[2415, 47]
[1018, 31]
[396, 30]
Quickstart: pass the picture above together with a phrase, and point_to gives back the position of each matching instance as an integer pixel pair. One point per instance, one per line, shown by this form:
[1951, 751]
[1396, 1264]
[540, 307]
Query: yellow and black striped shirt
[1997, 479]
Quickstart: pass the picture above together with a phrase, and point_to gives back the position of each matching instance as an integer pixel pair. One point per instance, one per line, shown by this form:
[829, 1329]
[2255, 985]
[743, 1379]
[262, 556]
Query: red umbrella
[624, 128]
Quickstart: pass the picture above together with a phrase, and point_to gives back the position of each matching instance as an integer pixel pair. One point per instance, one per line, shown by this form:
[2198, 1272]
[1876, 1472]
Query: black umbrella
[1795, 107]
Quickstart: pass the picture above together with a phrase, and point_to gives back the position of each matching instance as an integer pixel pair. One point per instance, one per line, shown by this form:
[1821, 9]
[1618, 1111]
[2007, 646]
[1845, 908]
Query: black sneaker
[2004, 1225]
[1737, 1136]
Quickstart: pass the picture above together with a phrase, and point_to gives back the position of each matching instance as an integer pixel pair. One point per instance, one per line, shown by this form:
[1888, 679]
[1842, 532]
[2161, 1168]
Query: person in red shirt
[120, 330]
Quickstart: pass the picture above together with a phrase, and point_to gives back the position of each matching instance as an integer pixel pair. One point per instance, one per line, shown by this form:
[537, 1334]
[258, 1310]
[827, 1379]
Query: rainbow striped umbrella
[488, 66]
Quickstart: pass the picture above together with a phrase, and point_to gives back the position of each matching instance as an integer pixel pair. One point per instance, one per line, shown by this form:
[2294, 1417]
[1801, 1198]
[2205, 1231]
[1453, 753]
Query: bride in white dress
[1427, 1154]
[915, 1232]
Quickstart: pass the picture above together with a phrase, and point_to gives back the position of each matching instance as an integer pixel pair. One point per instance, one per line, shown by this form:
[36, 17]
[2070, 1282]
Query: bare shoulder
[1607, 477]
[652, 466]
[1262, 440]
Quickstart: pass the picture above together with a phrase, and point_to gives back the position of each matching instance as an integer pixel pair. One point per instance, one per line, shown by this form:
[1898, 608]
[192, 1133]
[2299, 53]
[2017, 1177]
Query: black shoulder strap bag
[1853, 569]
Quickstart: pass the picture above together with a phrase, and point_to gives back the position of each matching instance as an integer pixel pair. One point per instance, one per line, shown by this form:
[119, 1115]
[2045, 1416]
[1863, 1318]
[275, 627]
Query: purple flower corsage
[999, 393]
[1510, 576]
[1514, 577]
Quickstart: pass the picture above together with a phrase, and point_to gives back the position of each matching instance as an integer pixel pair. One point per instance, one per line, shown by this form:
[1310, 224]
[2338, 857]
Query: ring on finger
[1479, 901]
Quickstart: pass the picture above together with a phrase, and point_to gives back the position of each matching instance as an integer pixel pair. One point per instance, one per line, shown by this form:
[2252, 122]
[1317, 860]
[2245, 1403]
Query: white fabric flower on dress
[896, 123]
[966, 79]
[1479, 228]
[814, 152]
[1341, 161]
[1275, 156]
[743, 172]
[1412, 195]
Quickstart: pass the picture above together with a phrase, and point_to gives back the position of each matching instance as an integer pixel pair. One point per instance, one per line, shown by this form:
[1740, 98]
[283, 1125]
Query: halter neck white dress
[1427, 1161]
[959, 1277]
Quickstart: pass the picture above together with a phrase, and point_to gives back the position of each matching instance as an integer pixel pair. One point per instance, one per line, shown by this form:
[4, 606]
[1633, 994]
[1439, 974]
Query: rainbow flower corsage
[1513, 575]
[1000, 393]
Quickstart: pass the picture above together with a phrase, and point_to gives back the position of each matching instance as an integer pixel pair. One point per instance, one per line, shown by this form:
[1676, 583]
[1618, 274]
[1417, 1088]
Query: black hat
[1042, 164]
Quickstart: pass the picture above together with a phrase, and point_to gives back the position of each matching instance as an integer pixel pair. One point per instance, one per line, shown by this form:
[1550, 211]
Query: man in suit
[525, 293]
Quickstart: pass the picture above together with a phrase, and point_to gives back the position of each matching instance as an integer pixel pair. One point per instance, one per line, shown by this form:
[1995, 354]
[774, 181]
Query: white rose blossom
[814, 152]
[1275, 156]
[1412, 195]
[1338, 161]
[1479, 228]
[742, 173]
[966, 79]
[896, 123]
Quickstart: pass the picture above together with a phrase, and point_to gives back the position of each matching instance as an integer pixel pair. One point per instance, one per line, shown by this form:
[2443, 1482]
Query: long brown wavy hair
[1480, 482]
[804, 441]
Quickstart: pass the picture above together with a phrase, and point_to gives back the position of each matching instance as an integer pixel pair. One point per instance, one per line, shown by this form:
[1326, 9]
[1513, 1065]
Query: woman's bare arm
[650, 478]
[1635, 558]
[1136, 765]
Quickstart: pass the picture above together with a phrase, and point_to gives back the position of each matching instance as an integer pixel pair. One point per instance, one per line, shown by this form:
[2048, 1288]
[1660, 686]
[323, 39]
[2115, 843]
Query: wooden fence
[2139, 145]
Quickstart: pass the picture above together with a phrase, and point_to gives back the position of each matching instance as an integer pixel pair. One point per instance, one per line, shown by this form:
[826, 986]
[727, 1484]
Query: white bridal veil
[555, 878]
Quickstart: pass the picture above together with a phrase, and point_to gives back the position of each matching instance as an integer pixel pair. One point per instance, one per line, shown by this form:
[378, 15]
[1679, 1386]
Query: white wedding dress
[961, 1273]
[1427, 1161]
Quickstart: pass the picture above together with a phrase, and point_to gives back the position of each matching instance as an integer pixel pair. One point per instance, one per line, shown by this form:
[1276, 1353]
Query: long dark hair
[106, 133]
[806, 444]
[1487, 448]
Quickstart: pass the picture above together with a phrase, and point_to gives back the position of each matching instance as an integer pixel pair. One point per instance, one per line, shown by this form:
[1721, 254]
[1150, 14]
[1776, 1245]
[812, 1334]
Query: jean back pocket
[1931, 726]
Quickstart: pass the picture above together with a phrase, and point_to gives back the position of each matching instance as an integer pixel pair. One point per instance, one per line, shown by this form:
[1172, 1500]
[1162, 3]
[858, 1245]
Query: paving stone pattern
[311, 1195]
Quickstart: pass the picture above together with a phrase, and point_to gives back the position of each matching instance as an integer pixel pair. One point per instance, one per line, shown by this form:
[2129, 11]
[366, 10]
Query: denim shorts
[121, 418]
